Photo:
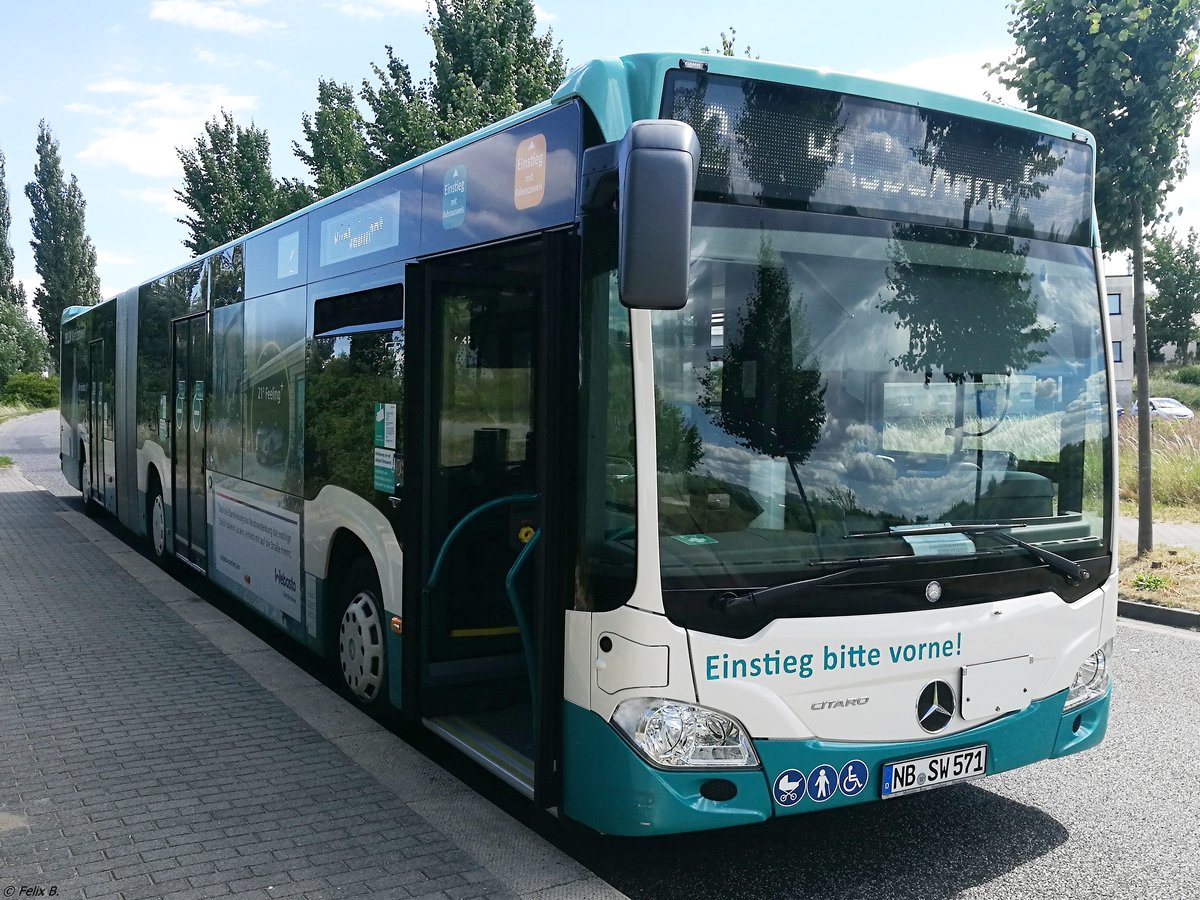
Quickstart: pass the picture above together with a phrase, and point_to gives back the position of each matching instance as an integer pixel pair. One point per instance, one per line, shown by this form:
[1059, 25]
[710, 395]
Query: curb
[1159, 615]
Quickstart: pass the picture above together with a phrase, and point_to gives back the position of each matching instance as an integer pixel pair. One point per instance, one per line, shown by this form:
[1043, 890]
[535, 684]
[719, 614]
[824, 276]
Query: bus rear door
[189, 365]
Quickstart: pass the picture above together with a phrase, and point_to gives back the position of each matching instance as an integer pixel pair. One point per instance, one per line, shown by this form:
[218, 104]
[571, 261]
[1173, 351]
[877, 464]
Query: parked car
[1166, 408]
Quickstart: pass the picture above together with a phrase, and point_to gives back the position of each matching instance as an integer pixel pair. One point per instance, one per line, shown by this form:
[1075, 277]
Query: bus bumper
[608, 787]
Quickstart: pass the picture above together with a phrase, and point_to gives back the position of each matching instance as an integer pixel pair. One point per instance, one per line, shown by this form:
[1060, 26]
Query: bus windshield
[834, 381]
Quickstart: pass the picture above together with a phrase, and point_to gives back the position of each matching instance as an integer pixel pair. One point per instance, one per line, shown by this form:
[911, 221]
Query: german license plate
[926, 772]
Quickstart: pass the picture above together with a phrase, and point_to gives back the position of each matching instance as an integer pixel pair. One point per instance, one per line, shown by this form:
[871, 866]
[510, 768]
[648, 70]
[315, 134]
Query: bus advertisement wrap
[258, 547]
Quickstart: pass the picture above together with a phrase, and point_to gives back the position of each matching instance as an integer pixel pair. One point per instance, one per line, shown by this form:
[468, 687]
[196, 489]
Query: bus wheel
[156, 523]
[89, 505]
[360, 638]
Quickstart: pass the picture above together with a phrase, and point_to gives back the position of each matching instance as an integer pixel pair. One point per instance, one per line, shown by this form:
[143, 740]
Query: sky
[123, 84]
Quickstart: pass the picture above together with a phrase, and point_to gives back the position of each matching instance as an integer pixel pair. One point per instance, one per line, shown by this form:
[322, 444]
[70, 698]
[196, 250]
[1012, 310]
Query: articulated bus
[716, 441]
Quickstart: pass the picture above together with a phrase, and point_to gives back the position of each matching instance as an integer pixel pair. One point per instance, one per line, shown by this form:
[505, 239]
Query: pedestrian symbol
[822, 783]
[789, 787]
[853, 777]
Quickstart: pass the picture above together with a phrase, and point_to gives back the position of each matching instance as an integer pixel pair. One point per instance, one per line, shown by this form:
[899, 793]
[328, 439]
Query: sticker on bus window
[693, 540]
[529, 185]
[385, 471]
[454, 197]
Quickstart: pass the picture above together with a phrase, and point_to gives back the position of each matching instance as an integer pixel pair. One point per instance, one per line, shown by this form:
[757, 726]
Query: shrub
[1187, 374]
[39, 391]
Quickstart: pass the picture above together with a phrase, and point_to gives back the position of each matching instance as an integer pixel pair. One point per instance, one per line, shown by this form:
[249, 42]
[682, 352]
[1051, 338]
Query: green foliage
[62, 251]
[1173, 264]
[488, 64]
[8, 284]
[338, 155]
[5, 462]
[1187, 394]
[1146, 581]
[31, 389]
[228, 186]
[1126, 70]
[1187, 375]
[23, 346]
[727, 44]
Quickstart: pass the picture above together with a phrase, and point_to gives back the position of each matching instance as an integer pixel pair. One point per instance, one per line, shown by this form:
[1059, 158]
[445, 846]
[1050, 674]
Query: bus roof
[621, 90]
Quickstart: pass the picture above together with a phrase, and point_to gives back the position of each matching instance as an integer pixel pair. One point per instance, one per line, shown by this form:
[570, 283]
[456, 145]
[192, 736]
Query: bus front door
[489, 673]
[189, 363]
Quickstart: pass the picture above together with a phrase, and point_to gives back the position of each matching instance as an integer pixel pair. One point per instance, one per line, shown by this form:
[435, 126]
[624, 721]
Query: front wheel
[360, 642]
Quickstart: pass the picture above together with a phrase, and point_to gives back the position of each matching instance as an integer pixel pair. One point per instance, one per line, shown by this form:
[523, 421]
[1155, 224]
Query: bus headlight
[678, 735]
[1091, 680]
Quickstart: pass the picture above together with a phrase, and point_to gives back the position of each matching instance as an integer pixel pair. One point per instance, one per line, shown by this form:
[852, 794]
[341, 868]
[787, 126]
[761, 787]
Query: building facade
[1120, 330]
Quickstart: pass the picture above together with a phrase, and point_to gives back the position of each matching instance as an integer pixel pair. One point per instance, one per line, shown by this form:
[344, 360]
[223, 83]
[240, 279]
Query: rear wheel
[156, 523]
[89, 505]
[360, 654]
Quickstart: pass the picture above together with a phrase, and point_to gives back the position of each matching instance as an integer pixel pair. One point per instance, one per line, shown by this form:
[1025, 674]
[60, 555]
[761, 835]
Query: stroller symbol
[789, 787]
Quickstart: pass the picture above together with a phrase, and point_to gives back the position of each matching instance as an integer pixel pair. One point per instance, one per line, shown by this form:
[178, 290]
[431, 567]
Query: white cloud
[953, 73]
[212, 15]
[378, 9]
[148, 121]
[543, 15]
[162, 199]
[109, 258]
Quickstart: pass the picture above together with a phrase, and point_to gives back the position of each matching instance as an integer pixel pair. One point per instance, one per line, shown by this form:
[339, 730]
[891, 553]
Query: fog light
[672, 734]
[1091, 680]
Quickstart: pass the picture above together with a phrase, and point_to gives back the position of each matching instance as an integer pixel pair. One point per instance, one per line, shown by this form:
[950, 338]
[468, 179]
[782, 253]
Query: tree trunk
[1141, 367]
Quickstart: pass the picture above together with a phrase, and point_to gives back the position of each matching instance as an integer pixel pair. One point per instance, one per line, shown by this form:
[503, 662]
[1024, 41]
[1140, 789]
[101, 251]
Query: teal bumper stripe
[607, 786]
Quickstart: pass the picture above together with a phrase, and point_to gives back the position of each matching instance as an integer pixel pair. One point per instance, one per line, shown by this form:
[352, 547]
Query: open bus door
[492, 487]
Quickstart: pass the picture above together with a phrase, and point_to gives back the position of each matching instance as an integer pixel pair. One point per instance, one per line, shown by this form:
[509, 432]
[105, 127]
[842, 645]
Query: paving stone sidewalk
[150, 747]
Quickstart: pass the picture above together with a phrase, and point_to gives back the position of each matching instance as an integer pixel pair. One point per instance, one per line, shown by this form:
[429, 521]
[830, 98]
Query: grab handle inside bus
[658, 161]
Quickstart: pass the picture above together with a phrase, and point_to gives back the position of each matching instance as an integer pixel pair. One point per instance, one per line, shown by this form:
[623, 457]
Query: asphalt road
[1119, 821]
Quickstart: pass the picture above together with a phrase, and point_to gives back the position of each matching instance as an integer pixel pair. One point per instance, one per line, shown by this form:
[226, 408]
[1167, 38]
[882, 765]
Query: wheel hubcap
[360, 647]
[158, 525]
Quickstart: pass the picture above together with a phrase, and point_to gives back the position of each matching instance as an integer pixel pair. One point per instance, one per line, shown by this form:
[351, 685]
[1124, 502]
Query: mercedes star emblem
[935, 706]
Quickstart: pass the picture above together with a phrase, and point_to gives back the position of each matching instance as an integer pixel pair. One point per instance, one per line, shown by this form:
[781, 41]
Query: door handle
[395, 501]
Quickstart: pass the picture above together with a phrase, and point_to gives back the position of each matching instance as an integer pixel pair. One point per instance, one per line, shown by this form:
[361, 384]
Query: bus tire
[156, 522]
[359, 646]
[89, 505]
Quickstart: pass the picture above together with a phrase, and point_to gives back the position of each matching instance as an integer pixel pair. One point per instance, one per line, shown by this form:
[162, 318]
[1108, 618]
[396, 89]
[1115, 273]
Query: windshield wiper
[1068, 568]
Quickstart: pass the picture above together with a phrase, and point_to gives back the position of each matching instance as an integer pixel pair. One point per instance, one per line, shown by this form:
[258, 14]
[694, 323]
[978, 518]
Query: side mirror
[657, 163]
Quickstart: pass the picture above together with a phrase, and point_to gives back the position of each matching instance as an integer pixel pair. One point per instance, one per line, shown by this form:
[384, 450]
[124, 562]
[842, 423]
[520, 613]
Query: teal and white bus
[716, 441]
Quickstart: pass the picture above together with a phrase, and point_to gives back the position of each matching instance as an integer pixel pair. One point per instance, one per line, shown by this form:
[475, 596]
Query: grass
[5, 462]
[1174, 466]
[1167, 576]
[12, 410]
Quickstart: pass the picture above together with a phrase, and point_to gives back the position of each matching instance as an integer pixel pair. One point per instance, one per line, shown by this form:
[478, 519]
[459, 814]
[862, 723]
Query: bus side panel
[128, 507]
[255, 549]
[334, 510]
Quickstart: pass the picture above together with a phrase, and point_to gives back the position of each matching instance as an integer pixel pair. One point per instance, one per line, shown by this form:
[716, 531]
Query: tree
[1173, 264]
[338, 155]
[1127, 71]
[62, 252]
[23, 346]
[228, 186]
[12, 292]
[727, 45]
[488, 64]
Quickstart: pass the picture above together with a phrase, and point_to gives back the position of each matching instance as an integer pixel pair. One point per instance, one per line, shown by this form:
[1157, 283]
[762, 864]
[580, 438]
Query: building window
[1114, 304]
[1116, 351]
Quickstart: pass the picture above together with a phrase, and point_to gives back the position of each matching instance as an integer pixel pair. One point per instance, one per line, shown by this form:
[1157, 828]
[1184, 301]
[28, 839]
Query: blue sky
[122, 84]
